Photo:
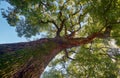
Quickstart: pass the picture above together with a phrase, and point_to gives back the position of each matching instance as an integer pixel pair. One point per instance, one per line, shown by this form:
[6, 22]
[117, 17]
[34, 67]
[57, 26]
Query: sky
[7, 32]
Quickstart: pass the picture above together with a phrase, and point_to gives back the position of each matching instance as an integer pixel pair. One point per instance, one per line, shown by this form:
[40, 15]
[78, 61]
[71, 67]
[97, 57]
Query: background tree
[90, 24]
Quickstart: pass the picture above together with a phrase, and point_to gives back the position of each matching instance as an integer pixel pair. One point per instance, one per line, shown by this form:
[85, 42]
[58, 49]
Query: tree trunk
[29, 59]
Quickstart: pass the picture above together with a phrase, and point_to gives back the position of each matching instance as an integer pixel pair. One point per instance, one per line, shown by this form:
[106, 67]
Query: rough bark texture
[39, 58]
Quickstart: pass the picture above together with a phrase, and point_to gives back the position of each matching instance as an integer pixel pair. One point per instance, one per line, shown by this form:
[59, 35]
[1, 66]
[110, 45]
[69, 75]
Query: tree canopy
[63, 17]
[69, 20]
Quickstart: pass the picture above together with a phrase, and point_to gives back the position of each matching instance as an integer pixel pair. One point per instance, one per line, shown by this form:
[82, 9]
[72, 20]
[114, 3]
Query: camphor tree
[83, 28]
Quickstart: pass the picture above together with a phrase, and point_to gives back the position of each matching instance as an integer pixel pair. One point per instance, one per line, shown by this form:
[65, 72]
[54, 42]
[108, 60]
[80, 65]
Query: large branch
[39, 53]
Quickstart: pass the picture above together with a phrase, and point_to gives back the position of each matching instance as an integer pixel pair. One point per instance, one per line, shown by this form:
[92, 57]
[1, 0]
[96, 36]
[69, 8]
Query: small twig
[66, 54]
[72, 51]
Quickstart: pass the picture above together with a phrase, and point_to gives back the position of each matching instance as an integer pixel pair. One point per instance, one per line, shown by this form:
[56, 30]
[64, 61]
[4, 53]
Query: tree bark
[40, 53]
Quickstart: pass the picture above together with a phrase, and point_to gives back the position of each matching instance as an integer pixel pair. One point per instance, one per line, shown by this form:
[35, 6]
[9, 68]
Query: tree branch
[48, 54]
[61, 27]
[61, 20]
[48, 21]
[66, 54]
[77, 11]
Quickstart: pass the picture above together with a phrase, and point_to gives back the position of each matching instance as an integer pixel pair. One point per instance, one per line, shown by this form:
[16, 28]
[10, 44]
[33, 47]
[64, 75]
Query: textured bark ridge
[35, 66]
[29, 59]
[33, 57]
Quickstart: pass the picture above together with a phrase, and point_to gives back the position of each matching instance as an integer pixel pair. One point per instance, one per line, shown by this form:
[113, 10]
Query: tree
[90, 24]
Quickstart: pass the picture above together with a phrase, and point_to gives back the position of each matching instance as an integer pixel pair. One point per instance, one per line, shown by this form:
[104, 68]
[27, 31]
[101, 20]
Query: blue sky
[8, 33]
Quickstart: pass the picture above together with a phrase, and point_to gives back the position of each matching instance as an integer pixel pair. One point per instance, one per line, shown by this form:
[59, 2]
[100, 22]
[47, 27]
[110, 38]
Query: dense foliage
[63, 16]
[73, 19]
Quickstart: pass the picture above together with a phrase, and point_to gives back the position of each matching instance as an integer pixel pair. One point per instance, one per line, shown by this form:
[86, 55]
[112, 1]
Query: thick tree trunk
[31, 58]
[39, 52]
